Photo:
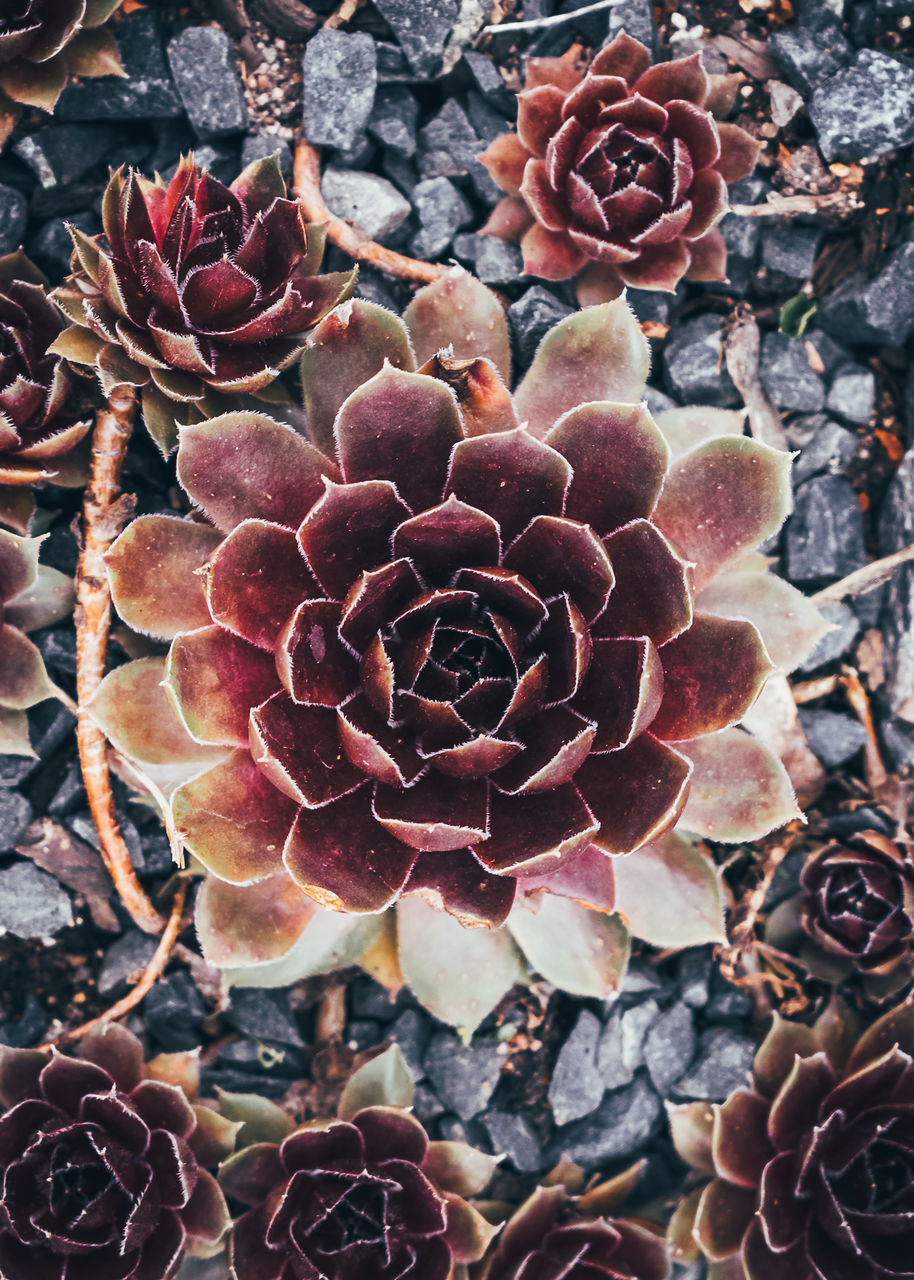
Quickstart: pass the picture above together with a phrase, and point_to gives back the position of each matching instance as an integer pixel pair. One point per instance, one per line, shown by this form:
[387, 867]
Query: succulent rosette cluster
[813, 1163]
[195, 290]
[854, 915]
[457, 646]
[43, 43]
[619, 177]
[41, 424]
[32, 596]
[557, 1234]
[364, 1194]
[100, 1163]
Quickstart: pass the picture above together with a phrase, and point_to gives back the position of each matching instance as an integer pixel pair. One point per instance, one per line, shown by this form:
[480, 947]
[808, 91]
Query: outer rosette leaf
[670, 894]
[459, 313]
[579, 950]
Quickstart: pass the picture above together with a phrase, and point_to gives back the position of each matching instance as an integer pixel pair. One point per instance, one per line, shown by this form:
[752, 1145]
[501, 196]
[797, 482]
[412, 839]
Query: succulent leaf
[669, 893]
[582, 951]
[385, 1081]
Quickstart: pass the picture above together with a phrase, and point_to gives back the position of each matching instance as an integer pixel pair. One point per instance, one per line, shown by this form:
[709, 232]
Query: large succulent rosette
[556, 1235]
[461, 642]
[813, 1164]
[854, 915]
[42, 43]
[363, 1195]
[196, 289]
[100, 1180]
[619, 176]
[32, 595]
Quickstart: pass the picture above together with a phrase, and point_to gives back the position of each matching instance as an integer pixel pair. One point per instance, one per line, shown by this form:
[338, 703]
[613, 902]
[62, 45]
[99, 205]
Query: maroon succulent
[814, 1162]
[365, 1196]
[618, 176]
[196, 287]
[99, 1176]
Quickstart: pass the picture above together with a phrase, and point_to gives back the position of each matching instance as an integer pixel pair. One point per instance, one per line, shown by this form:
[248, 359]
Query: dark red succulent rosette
[618, 177]
[99, 1178]
[40, 423]
[342, 1201]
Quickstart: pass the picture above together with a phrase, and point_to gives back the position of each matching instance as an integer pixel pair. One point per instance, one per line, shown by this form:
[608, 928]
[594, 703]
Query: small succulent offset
[363, 1195]
[458, 645]
[43, 43]
[854, 915]
[40, 419]
[32, 595]
[813, 1164]
[619, 177]
[195, 290]
[556, 1233]
[100, 1160]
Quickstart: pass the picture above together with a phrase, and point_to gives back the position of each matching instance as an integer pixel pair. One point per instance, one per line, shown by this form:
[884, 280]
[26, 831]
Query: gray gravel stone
[421, 28]
[464, 1076]
[15, 816]
[621, 1049]
[896, 530]
[369, 202]
[693, 359]
[790, 251]
[721, 1064]
[824, 446]
[835, 643]
[531, 318]
[264, 1015]
[62, 153]
[13, 218]
[695, 975]
[489, 81]
[577, 1084]
[410, 1030]
[442, 211]
[852, 394]
[880, 310]
[810, 50]
[257, 146]
[339, 78]
[833, 737]
[203, 65]
[393, 119]
[623, 1123]
[32, 903]
[511, 1136]
[448, 143]
[129, 954]
[498, 261]
[669, 1046]
[148, 91]
[866, 109]
[788, 377]
[824, 537]
[636, 17]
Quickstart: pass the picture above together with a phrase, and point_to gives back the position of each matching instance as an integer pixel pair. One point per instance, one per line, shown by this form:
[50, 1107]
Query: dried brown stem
[876, 774]
[742, 934]
[150, 975]
[307, 186]
[103, 514]
[331, 1015]
[872, 575]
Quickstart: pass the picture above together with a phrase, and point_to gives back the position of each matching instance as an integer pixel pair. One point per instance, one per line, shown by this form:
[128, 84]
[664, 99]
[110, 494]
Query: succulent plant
[458, 645]
[619, 176]
[42, 43]
[40, 419]
[365, 1194]
[195, 289]
[854, 914]
[556, 1234]
[100, 1173]
[32, 595]
[813, 1164]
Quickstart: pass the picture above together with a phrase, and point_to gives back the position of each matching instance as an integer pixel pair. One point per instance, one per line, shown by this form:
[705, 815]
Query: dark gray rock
[852, 394]
[898, 740]
[658, 401]
[359, 156]
[32, 903]
[727, 1002]
[421, 28]
[511, 1136]
[621, 1050]
[129, 954]
[824, 536]
[577, 1084]
[466, 247]
[635, 17]
[411, 1032]
[864, 110]
[464, 1076]
[257, 146]
[487, 123]
[489, 82]
[790, 251]
[721, 1064]
[831, 353]
[13, 218]
[879, 311]
[148, 92]
[26, 1030]
[15, 769]
[368, 999]
[625, 1120]
[811, 50]
[648, 305]
[58, 648]
[364, 199]
[835, 643]
[824, 446]
[362, 1033]
[448, 143]
[203, 65]
[339, 78]
[426, 1103]
[50, 246]
[498, 261]
[669, 1046]
[531, 318]
[394, 117]
[694, 973]
[174, 1010]
[694, 364]
[833, 737]
[869, 604]
[896, 531]
[844, 825]
[392, 64]
[265, 1015]
[62, 153]
[442, 211]
[741, 236]
[639, 979]
[15, 816]
[788, 377]
[50, 726]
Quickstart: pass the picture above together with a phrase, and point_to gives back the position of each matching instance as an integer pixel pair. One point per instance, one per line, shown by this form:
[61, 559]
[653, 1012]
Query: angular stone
[488, 79]
[695, 975]
[498, 261]
[411, 1032]
[464, 1076]
[835, 643]
[174, 1010]
[32, 903]
[577, 1084]
[824, 446]
[129, 954]
[339, 78]
[512, 1136]
[442, 211]
[13, 218]
[148, 92]
[264, 1015]
[366, 201]
[722, 1063]
[531, 318]
[257, 146]
[791, 251]
[625, 1120]
[421, 28]
[896, 531]
[852, 394]
[448, 143]
[787, 376]
[669, 1046]
[824, 536]
[203, 65]
[833, 737]
[15, 816]
[877, 311]
[694, 363]
[864, 110]
[393, 119]
[62, 153]
[636, 17]
[810, 50]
